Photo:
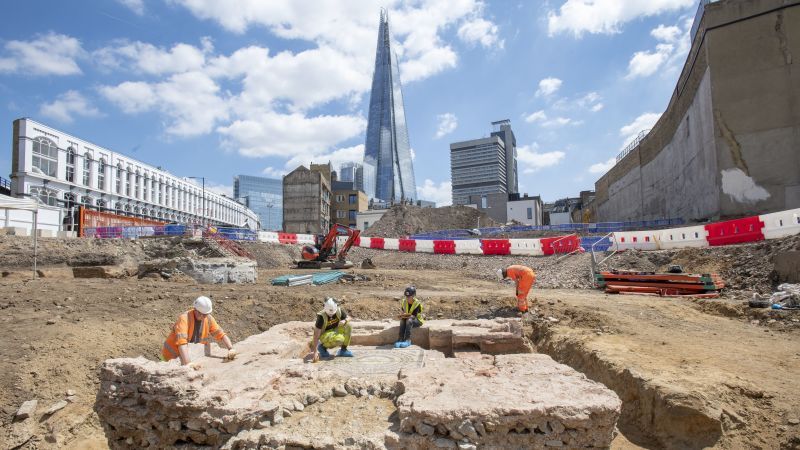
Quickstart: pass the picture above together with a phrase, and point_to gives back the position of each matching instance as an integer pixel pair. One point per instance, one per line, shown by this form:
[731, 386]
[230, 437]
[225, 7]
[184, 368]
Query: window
[352, 215]
[145, 186]
[353, 199]
[101, 203]
[128, 182]
[45, 156]
[340, 214]
[530, 213]
[119, 179]
[118, 207]
[69, 199]
[87, 169]
[339, 198]
[138, 184]
[86, 200]
[71, 165]
[46, 196]
[101, 174]
[366, 225]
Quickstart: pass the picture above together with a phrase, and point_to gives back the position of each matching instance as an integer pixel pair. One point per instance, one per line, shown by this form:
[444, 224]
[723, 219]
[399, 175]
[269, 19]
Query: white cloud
[560, 122]
[413, 154]
[336, 157]
[137, 6]
[272, 172]
[591, 101]
[644, 122]
[537, 116]
[606, 16]
[149, 59]
[221, 189]
[603, 167]
[441, 193]
[48, 54]
[548, 86]
[670, 51]
[532, 160]
[448, 122]
[597, 107]
[68, 105]
[480, 31]
[131, 96]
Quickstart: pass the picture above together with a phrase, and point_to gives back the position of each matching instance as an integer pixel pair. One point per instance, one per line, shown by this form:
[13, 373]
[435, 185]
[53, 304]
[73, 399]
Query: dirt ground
[691, 374]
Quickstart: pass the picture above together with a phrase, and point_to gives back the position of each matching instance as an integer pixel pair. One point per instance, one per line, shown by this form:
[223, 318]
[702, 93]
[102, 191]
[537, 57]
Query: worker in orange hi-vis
[524, 277]
[196, 326]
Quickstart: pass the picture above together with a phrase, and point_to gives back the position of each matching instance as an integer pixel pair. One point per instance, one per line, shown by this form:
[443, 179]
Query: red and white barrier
[526, 247]
[634, 240]
[683, 237]
[391, 244]
[469, 247]
[781, 224]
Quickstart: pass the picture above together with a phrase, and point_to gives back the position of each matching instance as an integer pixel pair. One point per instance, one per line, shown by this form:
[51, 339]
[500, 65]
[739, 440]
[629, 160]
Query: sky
[218, 88]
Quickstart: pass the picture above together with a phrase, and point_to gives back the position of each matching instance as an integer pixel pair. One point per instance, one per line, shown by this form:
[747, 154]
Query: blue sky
[219, 88]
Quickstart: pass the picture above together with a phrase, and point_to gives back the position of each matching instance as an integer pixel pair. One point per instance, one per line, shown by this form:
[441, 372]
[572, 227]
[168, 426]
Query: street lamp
[203, 212]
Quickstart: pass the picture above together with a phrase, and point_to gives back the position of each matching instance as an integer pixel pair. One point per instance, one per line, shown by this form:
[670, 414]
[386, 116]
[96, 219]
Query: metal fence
[127, 232]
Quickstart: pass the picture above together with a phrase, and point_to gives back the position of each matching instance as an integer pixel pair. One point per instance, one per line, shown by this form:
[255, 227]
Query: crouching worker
[195, 326]
[332, 329]
[410, 317]
[523, 277]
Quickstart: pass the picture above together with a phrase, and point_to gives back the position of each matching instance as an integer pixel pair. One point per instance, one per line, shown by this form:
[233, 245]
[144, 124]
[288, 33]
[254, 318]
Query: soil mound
[404, 220]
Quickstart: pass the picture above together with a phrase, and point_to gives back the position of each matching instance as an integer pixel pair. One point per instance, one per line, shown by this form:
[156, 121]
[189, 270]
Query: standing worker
[195, 326]
[524, 277]
[331, 329]
[410, 318]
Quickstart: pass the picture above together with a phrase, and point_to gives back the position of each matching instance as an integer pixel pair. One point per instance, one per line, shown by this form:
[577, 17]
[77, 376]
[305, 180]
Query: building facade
[347, 203]
[359, 174]
[524, 209]
[264, 196]
[477, 167]
[307, 200]
[502, 129]
[65, 171]
[366, 219]
[387, 148]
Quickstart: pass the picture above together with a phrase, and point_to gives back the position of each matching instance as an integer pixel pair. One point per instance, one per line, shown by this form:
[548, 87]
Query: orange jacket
[518, 273]
[184, 328]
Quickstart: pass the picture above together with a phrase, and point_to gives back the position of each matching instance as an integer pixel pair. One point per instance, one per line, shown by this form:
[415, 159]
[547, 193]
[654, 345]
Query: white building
[526, 210]
[365, 219]
[62, 170]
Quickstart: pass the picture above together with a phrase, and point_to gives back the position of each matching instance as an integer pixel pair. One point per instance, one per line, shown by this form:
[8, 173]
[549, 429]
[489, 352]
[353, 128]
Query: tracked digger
[325, 253]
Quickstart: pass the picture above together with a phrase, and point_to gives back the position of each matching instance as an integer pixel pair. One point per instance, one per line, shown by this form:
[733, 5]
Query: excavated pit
[492, 392]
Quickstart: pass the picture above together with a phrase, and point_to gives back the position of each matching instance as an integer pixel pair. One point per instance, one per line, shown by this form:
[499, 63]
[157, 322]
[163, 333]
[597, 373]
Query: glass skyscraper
[387, 149]
[262, 195]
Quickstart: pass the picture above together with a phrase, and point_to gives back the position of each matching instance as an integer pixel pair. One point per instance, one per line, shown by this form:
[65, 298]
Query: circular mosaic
[366, 361]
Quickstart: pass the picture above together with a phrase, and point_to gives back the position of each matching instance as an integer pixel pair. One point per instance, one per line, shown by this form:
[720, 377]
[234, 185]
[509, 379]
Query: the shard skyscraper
[387, 148]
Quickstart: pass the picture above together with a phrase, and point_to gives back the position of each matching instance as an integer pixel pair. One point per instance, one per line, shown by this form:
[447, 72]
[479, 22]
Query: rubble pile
[382, 398]
[404, 220]
[272, 255]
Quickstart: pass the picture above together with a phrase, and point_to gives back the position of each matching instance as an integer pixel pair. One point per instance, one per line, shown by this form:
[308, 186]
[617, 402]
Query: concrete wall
[303, 202]
[727, 145]
[369, 217]
[518, 211]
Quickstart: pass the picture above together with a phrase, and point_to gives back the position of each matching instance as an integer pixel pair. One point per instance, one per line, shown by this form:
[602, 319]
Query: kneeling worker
[410, 318]
[195, 326]
[332, 329]
[524, 277]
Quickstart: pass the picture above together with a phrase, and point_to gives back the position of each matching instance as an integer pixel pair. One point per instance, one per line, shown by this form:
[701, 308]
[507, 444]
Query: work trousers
[337, 337]
[406, 325]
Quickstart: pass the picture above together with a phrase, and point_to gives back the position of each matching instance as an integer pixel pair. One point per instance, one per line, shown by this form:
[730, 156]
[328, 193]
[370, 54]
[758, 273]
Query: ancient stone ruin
[466, 385]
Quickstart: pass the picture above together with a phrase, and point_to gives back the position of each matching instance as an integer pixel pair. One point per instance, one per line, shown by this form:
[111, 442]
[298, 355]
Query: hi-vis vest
[183, 330]
[407, 310]
[325, 317]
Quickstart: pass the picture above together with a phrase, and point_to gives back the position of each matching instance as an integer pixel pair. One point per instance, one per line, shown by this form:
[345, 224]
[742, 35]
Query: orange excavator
[325, 254]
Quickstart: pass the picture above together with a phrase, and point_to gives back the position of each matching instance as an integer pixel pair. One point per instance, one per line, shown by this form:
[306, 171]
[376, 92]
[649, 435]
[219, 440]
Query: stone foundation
[382, 398]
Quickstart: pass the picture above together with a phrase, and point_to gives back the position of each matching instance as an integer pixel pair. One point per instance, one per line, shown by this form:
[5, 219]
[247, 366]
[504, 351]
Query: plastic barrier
[287, 238]
[364, 242]
[496, 246]
[781, 224]
[683, 237]
[391, 244]
[306, 239]
[424, 246]
[407, 245]
[634, 240]
[444, 247]
[735, 231]
[268, 236]
[600, 243]
[468, 247]
[560, 245]
[529, 247]
[376, 242]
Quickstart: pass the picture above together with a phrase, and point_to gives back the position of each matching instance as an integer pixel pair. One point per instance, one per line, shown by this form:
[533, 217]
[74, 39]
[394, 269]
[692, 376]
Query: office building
[478, 167]
[502, 129]
[387, 147]
[264, 196]
[65, 171]
[360, 175]
[307, 200]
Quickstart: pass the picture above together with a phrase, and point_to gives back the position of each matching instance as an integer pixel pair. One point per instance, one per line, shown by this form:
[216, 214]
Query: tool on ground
[325, 254]
[316, 279]
[661, 284]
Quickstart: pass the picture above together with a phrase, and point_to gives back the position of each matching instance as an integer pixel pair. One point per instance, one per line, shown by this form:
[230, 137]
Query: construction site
[583, 368]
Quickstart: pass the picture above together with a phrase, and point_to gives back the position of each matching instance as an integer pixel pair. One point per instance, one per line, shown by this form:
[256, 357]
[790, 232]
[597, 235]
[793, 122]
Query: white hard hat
[203, 305]
[500, 274]
[330, 307]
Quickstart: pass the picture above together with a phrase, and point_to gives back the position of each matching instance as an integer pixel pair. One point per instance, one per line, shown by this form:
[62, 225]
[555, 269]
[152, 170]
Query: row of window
[128, 183]
[351, 214]
[352, 199]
